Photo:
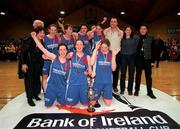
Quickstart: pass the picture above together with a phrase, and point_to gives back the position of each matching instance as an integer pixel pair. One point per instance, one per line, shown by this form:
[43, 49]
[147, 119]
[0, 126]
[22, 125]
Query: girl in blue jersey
[97, 35]
[51, 42]
[78, 83]
[68, 38]
[105, 64]
[85, 36]
[56, 83]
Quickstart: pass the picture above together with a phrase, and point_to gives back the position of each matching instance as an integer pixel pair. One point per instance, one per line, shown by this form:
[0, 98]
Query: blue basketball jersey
[51, 44]
[56, 82]
[69, 43]
[86, 42]
[58, 73]
[103, 68]
[78, 67]
[96, 38]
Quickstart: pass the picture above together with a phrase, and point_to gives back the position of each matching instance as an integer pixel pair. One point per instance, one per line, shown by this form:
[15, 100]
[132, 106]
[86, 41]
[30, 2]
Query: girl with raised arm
[56, 82]
[105, 61]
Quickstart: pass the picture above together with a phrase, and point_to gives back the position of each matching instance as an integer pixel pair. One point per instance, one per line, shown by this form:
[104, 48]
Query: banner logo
[138, 118]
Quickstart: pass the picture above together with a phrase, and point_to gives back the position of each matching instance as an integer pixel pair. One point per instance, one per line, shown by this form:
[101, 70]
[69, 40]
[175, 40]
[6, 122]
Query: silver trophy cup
[91, 94]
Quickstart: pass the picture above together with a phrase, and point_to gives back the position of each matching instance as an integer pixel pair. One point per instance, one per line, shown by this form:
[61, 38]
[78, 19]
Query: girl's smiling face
[79, 45]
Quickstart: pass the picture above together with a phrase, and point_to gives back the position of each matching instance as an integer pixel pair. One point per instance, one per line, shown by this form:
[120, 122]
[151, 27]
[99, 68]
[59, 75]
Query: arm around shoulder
[50, 55]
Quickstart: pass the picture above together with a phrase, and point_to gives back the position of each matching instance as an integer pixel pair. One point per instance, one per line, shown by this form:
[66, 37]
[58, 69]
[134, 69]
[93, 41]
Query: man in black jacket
[36, 23]
[31, 58]
[144, 60]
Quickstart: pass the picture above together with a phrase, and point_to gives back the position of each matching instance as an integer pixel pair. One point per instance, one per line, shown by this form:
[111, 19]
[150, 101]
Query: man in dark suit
[32, 62]
[144, 60]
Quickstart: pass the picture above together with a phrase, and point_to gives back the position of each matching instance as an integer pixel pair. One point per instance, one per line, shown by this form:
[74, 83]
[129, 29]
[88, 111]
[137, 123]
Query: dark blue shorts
[53, 93]
[46, 67]
[77, 93]
[103, 89]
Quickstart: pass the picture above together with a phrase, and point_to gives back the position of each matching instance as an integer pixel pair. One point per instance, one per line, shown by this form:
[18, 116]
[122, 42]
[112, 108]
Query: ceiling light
[178, 13]
[62, 12]
[2, 13]
[122, 13]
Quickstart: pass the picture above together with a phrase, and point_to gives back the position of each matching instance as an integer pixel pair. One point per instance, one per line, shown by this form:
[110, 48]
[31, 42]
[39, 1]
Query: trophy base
[97, 105]
[91, 110]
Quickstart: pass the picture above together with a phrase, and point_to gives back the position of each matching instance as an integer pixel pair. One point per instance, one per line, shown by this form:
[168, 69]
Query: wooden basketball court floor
[166, 78]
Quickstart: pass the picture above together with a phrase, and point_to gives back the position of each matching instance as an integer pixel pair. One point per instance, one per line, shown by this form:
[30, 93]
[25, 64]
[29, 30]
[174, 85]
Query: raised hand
[33, 34]
[98, 44]
[44, 57]
[105, 19]
[61, 20]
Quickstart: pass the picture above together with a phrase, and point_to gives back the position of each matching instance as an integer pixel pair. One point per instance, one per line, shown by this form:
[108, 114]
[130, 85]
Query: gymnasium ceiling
[137, 11]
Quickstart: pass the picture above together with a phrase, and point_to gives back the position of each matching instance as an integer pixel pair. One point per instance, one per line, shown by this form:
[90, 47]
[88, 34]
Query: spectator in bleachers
[11, 52]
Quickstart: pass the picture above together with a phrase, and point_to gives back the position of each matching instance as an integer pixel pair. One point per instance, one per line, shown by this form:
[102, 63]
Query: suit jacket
[147, 42]
[30, 54]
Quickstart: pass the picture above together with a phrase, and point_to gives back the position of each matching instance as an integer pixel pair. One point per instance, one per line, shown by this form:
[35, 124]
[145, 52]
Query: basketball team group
[69, 61]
